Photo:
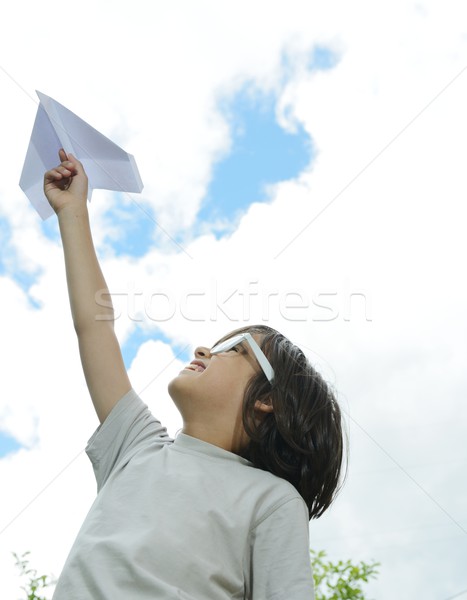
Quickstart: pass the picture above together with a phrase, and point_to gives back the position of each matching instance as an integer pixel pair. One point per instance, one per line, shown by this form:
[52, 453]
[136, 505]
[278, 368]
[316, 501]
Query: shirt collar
[187, 442]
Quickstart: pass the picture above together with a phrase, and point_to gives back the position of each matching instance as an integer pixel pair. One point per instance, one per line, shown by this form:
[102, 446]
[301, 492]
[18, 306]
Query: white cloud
[396, 233]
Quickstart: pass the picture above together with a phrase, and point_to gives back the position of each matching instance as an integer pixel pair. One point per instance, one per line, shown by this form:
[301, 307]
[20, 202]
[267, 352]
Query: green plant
[333, 581]
[35, 583]
[342, 580]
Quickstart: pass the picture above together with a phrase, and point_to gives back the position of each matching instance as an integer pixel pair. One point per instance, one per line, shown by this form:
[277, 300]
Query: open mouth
[196, 365]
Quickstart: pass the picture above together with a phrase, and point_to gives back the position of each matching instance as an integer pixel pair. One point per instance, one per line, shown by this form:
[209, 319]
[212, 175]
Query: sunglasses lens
[223, 346]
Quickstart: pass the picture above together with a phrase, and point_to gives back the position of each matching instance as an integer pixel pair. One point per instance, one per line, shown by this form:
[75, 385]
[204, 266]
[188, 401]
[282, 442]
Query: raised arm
[106, 377]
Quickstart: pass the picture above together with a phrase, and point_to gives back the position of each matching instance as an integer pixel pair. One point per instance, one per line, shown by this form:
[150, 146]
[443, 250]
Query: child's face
[210, 389]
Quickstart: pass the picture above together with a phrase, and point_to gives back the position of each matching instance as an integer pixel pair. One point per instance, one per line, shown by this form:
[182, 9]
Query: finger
[58, 175]
[69, 161]
[72, 158]
[53, 174]
[66, 169]
[59, 172]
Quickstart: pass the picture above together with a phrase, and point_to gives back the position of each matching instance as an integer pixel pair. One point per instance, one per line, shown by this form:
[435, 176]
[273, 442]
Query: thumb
[76, 163]
[78, 182]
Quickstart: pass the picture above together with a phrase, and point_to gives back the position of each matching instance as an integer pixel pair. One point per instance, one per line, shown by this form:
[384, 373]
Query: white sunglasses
[247, 337]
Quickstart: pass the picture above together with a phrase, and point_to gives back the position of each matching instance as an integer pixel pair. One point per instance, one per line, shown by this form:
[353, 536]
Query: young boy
[222, 511]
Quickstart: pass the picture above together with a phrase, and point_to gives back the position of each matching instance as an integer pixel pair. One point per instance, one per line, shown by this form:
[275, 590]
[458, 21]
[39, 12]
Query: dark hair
[302, 440]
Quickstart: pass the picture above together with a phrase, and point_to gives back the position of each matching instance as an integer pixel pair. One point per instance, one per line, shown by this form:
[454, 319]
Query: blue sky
[262, 153]
[136, 230]
[7, 444]
[9, 263]
[141, 335]
[9, 267]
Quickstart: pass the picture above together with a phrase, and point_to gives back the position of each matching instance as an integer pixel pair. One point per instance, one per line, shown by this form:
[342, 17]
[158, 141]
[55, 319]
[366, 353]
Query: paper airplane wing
[106, 164]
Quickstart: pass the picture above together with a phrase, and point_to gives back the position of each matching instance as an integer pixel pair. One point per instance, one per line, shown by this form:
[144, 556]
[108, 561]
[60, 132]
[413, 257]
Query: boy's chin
[178, 385]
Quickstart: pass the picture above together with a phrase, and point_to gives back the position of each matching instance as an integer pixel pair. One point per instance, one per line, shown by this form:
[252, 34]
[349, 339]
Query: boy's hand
[66, 184]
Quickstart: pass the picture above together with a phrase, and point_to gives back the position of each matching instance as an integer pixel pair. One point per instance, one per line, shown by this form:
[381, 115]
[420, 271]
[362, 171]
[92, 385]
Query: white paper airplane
[106, 164]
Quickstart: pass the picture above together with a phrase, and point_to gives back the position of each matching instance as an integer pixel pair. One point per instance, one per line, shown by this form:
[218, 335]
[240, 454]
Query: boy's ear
[264, 406]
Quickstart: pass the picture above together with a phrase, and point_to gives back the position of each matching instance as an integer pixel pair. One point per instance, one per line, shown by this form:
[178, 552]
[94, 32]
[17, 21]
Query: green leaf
[342, 580]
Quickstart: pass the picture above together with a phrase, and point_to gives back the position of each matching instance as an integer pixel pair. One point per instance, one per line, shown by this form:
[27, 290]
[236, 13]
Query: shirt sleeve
[129, 427]
[280, 555]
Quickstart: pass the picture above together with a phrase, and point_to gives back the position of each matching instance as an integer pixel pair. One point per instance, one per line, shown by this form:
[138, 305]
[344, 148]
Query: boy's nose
[202, 352]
